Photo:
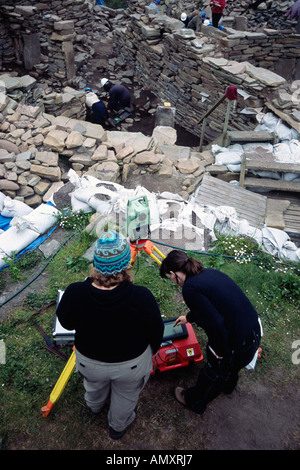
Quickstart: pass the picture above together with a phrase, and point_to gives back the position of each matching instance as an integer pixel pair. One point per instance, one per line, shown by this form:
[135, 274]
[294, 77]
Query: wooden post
[202, 134]
[242, 172]
[226, 122]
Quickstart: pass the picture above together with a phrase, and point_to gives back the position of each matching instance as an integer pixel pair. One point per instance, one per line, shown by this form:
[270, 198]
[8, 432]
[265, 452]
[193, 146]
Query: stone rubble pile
[15, 90]
[33, 145]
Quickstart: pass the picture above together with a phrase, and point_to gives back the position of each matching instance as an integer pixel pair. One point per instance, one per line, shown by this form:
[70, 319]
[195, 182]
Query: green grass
[30, 372]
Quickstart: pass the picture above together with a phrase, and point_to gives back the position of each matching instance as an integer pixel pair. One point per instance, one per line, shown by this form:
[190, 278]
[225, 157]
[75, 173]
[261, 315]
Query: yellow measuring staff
[60, 384]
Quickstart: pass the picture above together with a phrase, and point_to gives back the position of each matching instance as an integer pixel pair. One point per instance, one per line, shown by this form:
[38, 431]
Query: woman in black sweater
[118, 328]
[218, 305]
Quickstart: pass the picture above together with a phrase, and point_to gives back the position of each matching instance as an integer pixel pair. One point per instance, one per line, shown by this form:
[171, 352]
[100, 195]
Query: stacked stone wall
[40, 35]
[190, 70]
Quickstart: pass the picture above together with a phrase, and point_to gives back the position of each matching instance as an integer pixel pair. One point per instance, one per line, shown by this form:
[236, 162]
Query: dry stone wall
[189, 70]
[267, 14]
[40, 35]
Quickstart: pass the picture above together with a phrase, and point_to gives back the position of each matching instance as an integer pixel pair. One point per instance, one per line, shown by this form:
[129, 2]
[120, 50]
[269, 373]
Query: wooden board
[248, 205]
[273, 166]
[274, 185]
[251, 136]
[292, 219]
[268, 183]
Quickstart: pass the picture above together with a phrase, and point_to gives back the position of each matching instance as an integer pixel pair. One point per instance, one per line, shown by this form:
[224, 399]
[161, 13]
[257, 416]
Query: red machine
[179, 348]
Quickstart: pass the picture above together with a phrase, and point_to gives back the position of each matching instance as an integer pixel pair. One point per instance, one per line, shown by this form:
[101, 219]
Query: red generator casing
[179, 348]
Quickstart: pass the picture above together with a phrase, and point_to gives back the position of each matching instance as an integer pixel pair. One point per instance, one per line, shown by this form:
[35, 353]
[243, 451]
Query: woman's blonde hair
[111, 280]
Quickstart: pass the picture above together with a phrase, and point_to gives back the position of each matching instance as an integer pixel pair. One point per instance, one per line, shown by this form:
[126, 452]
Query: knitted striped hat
[112, 253]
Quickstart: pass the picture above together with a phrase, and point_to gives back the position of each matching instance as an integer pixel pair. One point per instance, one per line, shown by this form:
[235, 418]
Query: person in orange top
[217, 7]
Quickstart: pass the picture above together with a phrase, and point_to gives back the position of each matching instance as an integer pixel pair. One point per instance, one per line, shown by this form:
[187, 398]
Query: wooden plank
[268, 183]
[251, 136]
[248, 205]
[272, 166]
[292, 219]
[242, 171]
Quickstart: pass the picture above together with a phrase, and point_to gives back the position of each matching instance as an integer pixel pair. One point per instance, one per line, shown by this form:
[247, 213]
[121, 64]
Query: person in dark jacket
[118, 95]
[218, 305]
[118, 327]
[294, 13]
[196, 19]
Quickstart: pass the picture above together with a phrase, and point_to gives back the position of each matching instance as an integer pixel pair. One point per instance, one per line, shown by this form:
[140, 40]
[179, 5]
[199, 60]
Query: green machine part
[138, 218]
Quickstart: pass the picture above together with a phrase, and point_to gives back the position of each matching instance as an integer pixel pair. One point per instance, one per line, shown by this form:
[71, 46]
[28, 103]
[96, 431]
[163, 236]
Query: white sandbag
[13, 240]
[290, 177]
[102, 206]
[232, 227]
[86, 181]
[234, 168]
[205, 215]
[171, 196]
[266, 174]
[294, 145]
[271, 123]
[278, 243]
[13, 207]
[224, 213]
[2, 197]
[231, 155]
[40, 219]
[284, 132]
[78, 205]
[267, 122]
[2, 256]
[83, 194]
[74, 178]
[163, 206]
[290, 251]
[20, 223]
[287, 152]
[98, 197]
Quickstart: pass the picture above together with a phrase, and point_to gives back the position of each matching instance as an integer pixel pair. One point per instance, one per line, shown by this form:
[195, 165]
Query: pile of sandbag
[221, 220]
[22, 225]
[287, 150]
